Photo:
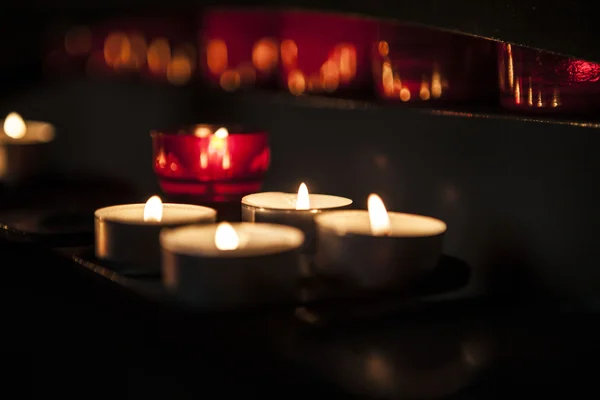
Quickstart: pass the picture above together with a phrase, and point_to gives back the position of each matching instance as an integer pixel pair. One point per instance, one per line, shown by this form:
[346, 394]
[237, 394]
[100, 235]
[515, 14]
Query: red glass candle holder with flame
[239, 48]
[546, 83]
[325, 53]
[417, 64]
[153, 48]
[210, 163]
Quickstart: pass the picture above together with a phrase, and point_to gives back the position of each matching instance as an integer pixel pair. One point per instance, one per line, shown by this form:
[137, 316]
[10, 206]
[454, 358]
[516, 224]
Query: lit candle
[293, 209]
[23, 148]
[210, 163]
[376, 248]
[231, 264]
[129, 234]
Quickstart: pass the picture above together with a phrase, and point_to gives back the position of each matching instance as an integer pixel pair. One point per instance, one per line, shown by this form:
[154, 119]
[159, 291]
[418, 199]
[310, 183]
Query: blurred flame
[78, 40]
[222, 133]
[14, 126]
[153, 210]
[289, 53]
[387, 77]
[202, 131]
[296, 82]
[424, 93]
[216, 56]
[345, 54]
[179, 70]
[226, 163]
[384, 48]
[159, 56]
[436, 84]
[117, 49]
[378, 216]
[404, 94]
[230, 80]
[203, 160]
[226, 238]
[264, 55]
[330, 76]
[303, 200]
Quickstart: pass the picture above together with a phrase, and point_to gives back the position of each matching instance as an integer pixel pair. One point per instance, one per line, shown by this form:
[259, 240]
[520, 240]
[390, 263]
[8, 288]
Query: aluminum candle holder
[23, 148]
[232, 265]
[375, 249]
[286, 209]
[210, 162]
[129, 234]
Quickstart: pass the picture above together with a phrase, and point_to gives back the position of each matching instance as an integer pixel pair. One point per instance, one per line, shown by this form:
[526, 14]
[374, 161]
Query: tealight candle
[376, 249]
[231, 264]
[129, 234]
[297, 210]
[22, 148]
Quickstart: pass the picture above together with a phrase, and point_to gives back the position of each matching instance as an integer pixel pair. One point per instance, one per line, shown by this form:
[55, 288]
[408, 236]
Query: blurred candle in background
[415, 64]
[531, 80]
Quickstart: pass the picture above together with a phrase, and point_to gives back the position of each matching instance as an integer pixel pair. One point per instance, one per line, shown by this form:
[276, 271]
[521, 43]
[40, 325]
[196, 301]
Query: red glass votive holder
[417, 64]
[325, 53]
[239, 48]
[210, 163]
[541, 82]
[155, 48]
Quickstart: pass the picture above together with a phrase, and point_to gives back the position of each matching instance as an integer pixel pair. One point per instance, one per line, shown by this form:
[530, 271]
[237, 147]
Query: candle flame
[14, 126]
[302, 201]
[378, 216]
[221, 133]
[153, 210]
[226, 238]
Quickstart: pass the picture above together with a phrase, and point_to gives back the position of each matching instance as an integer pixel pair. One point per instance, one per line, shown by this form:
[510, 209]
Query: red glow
[329, 52]
[240, 49]
[214, 168]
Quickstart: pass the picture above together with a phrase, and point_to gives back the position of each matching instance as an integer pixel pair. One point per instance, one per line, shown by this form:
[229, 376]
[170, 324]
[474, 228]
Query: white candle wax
[22, 148]
[261, 266]
[122, 235]
[348, 247]
[280, 208]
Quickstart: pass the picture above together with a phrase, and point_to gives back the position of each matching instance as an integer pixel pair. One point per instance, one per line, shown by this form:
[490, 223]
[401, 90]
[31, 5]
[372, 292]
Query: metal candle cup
[347, 248]
[280, 208]
[260, 266]
[124, 237]
[23, 147]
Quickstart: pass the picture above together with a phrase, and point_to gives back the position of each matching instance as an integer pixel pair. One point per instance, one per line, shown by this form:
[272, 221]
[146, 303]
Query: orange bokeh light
[230, 80]
[179, 70]
[159, 56]
[289, 53]
[265, 55]
[216, 56]
[117, 49]
[296, 82]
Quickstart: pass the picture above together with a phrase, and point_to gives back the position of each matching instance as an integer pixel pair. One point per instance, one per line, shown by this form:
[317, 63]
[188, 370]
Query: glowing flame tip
[303, 200]
[226, 238]
[378, 216]
[221, 133]
[14, 126]
[153, 210]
